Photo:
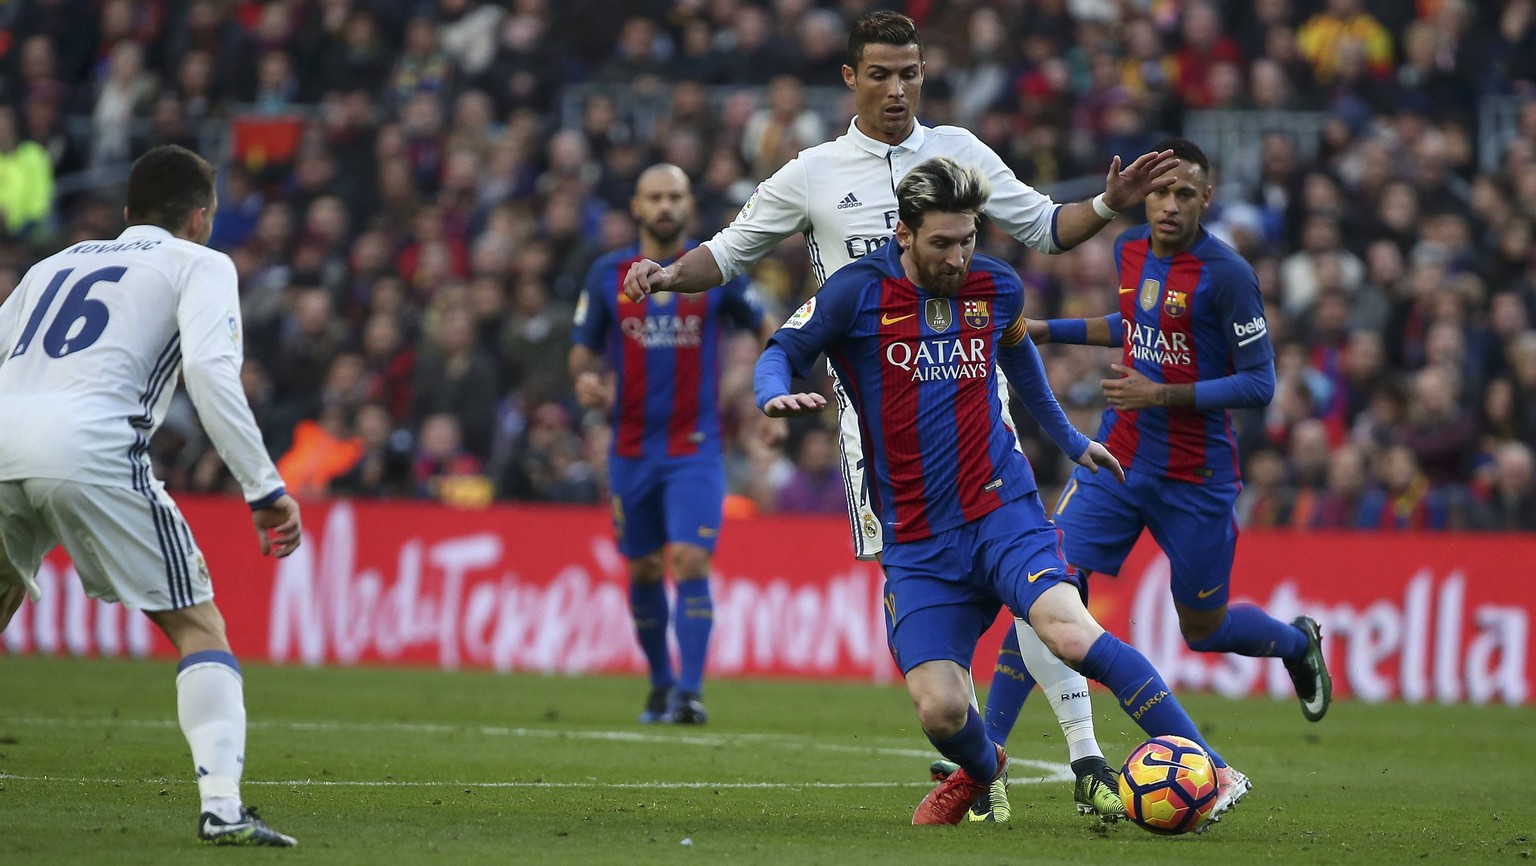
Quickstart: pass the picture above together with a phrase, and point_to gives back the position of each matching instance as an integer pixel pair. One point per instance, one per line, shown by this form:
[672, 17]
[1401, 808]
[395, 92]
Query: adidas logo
[848, 202]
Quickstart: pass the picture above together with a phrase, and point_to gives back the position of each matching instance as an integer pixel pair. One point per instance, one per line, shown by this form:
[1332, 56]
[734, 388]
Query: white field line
[1023, 771]
[365, 783]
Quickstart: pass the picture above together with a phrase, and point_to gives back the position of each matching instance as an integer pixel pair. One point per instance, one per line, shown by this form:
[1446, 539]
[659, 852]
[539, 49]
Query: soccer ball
[1169, 785]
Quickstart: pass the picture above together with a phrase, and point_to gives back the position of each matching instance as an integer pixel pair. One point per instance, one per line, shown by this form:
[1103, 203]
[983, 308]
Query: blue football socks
[1140, 690]
[695, 618]
[970, 748]
[1011, 685]
[1249, 631]
[648, 606]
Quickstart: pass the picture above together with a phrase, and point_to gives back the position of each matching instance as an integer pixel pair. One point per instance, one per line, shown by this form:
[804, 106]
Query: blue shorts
[1194, 524]
[942, 592]
[656, 502]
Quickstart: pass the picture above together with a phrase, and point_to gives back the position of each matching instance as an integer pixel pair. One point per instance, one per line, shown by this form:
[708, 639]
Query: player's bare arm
[1133, 391]
[695, 272]
[1124, 188]
[794, 405]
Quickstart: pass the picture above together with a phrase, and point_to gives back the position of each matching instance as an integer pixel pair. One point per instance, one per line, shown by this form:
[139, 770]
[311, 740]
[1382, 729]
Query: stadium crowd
[411, 254]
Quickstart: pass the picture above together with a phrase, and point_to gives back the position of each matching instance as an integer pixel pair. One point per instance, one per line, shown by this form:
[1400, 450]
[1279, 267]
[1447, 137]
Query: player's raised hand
[1132, 390]
[594, 391]
[278, 527]
[1098, 457]
[1124, 188]
[794, 405]
[645, 277]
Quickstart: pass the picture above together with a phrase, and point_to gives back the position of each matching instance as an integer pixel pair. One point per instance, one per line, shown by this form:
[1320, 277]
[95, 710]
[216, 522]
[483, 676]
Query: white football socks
[210, 704]
[1066, 689]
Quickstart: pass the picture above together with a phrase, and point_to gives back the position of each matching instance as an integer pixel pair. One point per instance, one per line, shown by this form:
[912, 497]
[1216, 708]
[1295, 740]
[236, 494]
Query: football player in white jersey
[842, 196]
[91, 342]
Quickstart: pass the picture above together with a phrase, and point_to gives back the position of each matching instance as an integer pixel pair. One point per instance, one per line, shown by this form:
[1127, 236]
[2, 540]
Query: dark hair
[881, 28]
[1185, 150]
[940, 185]
[166, 185]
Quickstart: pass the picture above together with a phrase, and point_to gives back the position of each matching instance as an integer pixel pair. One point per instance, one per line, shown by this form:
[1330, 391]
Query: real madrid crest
[976, 313]
[871, 527]
[939, 314]
[1150, 289]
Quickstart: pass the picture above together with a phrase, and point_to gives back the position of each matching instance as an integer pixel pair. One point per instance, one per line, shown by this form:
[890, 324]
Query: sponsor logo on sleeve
[800, 317]
[581, 309]
[746, 209]
[1249, 331]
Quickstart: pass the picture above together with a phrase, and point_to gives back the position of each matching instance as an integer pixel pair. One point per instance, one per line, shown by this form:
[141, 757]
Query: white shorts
[127, 545]
[868, 535]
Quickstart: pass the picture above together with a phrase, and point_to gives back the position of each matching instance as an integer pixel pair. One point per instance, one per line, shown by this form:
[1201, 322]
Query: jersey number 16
[80, 319]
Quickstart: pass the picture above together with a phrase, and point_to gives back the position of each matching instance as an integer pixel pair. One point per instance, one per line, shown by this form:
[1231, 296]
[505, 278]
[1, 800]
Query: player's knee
[647, 569]
[1068, 641]
[941, 715]
[1198, 626]
[689, 561]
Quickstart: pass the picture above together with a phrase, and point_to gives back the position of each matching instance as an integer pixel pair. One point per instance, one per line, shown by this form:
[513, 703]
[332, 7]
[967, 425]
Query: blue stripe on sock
[217, 657]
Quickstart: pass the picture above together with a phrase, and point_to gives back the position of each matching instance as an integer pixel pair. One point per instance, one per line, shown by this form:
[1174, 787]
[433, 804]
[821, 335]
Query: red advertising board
[1412, 617]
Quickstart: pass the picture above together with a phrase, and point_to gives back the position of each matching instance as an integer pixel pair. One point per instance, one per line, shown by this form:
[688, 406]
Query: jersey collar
[145, 231]
[869, 145]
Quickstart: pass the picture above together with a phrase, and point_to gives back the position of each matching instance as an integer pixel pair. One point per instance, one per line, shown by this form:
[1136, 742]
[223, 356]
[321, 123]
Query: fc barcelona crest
[1150, 289]
[939, 314]
[1176, 304]
[976, 313]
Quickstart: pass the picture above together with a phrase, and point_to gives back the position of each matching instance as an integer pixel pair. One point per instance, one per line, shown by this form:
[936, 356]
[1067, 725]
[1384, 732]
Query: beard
[665, 233]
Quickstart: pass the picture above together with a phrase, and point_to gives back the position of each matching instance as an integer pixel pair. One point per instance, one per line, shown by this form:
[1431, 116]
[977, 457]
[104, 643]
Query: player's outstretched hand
[278, 527]
[1131, 391]
[594, 391]
[1124, 188]
[1098, 457]
[644, 278]
[794, 405]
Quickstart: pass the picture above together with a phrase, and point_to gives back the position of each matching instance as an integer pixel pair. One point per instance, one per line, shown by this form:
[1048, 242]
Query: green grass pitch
[385, 766]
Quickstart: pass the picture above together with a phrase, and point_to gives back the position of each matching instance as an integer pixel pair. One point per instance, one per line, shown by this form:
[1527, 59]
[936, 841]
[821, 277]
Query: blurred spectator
[1341, 29]
[1511, 504]
[26, 182]
[816, 484]
[443, 468]
[454, 170]
[778, 132]
[454, 377]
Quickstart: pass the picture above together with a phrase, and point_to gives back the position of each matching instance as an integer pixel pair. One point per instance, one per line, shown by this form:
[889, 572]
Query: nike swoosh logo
[1127, 291]
[1132, 699]
[1039, 574]
[1207, 593]
[889, 319]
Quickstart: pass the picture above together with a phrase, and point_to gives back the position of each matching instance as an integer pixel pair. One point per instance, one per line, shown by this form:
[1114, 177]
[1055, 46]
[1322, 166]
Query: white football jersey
[842, 195]
[91, 342]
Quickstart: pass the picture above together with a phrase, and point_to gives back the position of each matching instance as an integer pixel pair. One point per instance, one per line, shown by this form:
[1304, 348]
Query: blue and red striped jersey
[1194, 316]
[921, 371]
[665, 354]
